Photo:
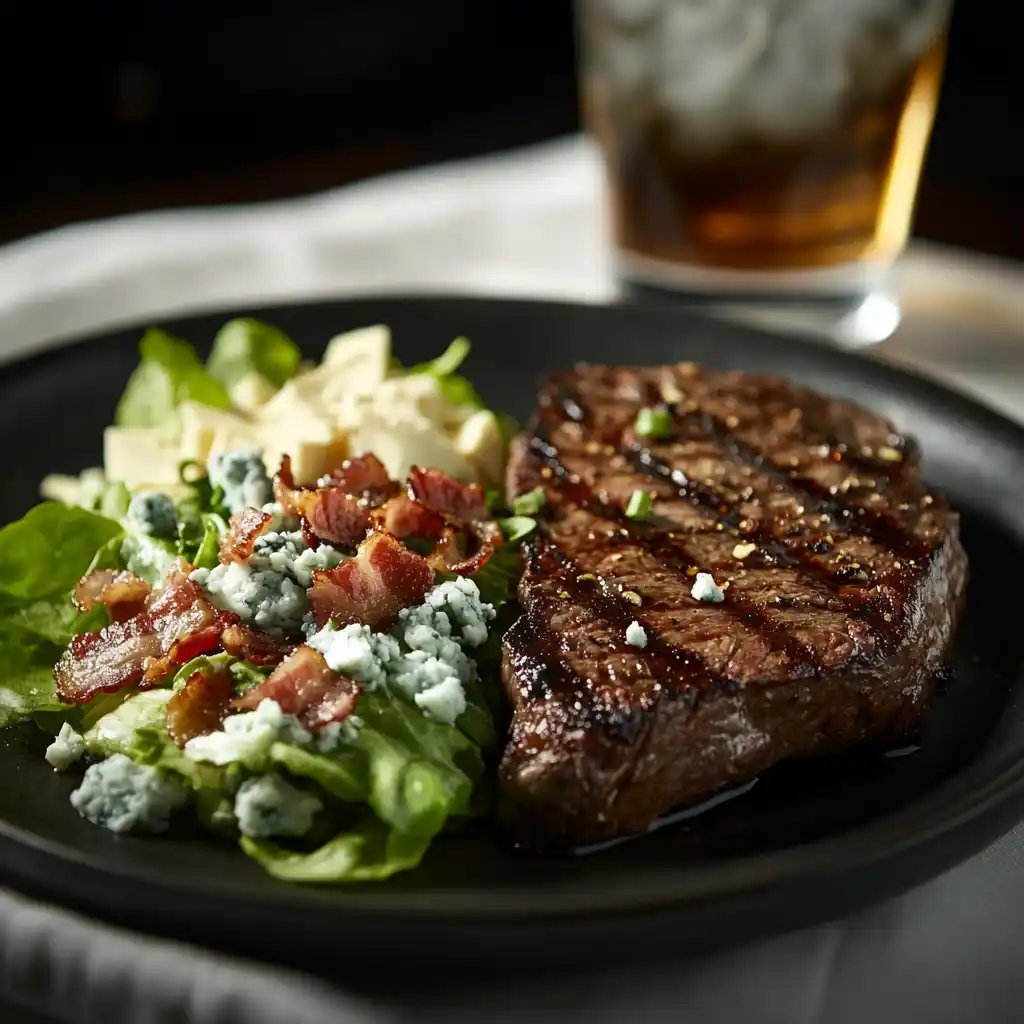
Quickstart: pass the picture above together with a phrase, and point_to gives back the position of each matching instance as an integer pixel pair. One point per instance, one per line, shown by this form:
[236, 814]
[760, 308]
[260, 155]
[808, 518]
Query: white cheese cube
[479, 440]
[363, 356]
[205, 430]
[405, 438]
[140, 456]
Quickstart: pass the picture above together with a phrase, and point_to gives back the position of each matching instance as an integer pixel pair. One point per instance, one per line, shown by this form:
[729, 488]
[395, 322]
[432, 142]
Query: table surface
[528, 224]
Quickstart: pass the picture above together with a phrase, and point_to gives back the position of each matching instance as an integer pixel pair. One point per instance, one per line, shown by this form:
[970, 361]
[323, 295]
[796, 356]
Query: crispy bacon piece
[200, 706]
[333, 513]
[305, 686]
[179, 624]
[123, 593]
[106, 659]
[371, 588]
[470, 534]
[405, 517]
[363, 477]
[254, 645]
[243, 529]
[447, 496]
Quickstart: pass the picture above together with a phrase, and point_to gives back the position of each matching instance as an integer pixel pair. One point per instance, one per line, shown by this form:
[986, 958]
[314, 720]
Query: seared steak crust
[843, 577]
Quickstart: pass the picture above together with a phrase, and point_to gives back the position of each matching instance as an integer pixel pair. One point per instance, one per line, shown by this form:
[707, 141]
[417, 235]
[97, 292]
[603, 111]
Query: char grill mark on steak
[672, 553]
[875, 607]
[881, 528]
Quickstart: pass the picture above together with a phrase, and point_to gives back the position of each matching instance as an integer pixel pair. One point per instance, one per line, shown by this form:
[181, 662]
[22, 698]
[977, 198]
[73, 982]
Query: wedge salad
[275, 611]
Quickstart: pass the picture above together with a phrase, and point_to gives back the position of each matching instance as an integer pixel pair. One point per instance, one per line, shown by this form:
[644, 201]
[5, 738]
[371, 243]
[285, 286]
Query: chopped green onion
[516, 528]
[653, 423]
[530, 503]
[639, 506]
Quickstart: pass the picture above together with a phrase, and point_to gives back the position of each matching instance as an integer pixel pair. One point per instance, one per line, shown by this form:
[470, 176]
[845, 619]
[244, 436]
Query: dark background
[109, 108]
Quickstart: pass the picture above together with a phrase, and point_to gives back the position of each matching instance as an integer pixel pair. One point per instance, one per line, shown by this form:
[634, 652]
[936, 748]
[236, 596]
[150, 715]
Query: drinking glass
[763, 156]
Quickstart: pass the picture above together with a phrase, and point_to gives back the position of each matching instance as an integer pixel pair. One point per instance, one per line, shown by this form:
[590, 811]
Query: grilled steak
[843, 581]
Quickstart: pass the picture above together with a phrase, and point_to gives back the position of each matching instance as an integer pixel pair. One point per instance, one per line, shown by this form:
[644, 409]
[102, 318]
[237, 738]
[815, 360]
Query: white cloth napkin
[525, 224]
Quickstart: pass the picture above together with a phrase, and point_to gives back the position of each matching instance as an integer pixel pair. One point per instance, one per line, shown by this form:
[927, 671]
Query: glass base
[850, 306]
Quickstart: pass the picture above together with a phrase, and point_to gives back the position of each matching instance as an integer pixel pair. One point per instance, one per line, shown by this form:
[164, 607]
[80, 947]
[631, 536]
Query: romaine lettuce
[455, 388]
[246, 346]
[170, 373]
[42, 556]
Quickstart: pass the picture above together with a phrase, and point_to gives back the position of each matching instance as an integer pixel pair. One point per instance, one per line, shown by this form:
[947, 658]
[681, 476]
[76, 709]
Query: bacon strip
[363, 477]
[404, 517]
[448, 496]
[200, 706]
[339, 512]
[179, 624]
[123, 593]
[243, 529]
[470, 534]
[254, 645]
[384, 577]
[305, 686]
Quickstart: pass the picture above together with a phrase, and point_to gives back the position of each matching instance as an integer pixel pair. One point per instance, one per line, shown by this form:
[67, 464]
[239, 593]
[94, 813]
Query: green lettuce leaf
[342, 773]
[366, 853]
[116, 732]
[170, 373]
[42, 556]
[45, 553]
[456, 389]
[415, 774]
[246, 675]
[208, 664]
[246, 346]
[199, 538]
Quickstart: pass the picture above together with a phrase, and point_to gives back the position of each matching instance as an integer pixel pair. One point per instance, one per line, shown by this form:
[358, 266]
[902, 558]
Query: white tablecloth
[525, 224]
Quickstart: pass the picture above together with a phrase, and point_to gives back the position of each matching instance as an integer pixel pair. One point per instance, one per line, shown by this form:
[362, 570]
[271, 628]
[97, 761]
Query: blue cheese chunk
[269, 806]
[263, 598]
[153, 513]
[123, 796]
[356, 651]
[66, 749]
[705, 589]
[454, 608]
[269, 590]
[444, 701]
[242, 477]
[636, 635]
[246, 738]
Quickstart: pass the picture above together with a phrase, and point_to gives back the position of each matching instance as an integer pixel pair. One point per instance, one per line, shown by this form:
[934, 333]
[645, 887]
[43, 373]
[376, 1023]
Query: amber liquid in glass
[840, 194]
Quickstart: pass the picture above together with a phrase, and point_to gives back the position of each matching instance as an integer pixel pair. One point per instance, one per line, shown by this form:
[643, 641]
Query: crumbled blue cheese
[356, 651]
[266, 599]
[279, 520]
[288, 554]
[444, 701]
[636, 635]
[153, 513]
[424, 658]
[269, 806]
[66, 749]
[246, 738]
[269, 590]
[455, 603]
[705, 589]
[242, 477]
[127, 797]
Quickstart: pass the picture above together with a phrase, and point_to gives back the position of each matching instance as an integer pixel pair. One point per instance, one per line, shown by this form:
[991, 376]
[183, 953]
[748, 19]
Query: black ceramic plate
[808, 842]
